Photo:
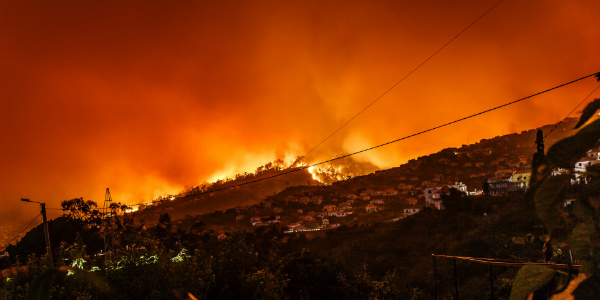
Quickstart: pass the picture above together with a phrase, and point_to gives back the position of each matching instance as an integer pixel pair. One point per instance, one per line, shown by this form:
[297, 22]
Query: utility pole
[540, 142]
[46, 233]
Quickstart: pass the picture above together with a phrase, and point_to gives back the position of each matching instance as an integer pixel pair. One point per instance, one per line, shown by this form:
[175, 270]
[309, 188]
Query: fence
[491, 263]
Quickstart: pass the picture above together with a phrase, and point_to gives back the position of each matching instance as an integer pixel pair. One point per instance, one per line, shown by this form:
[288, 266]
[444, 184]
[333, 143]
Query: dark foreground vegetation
[380, 261]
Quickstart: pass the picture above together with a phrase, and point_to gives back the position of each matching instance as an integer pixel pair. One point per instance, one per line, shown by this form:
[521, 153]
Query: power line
[558, 124]
[400, 139]
[19, 228]
[16, 236]
[405, 76]
[588, 96]
[391, 142]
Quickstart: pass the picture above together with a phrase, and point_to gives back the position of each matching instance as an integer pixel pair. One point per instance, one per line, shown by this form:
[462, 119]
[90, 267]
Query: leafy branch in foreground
[576, 233]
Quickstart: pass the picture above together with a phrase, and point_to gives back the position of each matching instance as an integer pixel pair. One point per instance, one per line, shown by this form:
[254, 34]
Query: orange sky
[145, 97]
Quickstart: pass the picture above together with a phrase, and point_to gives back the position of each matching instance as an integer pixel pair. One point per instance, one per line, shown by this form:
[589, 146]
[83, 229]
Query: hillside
[230, 194]
[471, 165]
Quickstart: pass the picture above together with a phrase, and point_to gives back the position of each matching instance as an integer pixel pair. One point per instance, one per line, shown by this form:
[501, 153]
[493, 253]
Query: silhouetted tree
[80, 209]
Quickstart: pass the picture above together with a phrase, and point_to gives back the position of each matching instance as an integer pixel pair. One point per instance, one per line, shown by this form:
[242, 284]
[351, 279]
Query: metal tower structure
[107, 203]
[107, 231]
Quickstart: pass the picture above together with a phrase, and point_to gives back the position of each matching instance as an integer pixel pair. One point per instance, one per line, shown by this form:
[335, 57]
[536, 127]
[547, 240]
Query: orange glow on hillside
[165, 95]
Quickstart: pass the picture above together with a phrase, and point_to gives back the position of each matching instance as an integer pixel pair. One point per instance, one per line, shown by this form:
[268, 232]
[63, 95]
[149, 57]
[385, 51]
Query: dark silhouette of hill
[470, 164]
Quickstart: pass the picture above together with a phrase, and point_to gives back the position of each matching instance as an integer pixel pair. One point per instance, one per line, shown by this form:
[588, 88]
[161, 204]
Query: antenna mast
[107, 203]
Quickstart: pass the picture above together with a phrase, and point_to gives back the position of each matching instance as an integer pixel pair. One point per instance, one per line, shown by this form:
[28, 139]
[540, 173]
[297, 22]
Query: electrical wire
[405, 76]
[16, 236]
[400, 139]
[20, 227]
[582, 101]
[393, 141]
[558, 124]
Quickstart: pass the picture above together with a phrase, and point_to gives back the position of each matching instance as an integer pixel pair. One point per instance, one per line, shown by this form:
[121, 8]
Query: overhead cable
[405, 76]
[403, 138]
[19, 234]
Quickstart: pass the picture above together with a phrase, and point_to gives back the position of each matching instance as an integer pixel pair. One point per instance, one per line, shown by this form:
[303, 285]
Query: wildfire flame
[328, 174]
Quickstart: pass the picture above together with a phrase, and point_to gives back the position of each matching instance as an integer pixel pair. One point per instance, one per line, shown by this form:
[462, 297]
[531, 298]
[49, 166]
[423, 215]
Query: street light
[46, 234]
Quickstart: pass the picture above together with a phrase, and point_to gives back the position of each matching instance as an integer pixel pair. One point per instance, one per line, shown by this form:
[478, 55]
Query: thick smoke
[147, 97]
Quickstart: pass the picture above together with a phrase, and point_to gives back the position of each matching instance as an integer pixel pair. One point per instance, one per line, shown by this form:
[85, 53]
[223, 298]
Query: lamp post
[46, 234]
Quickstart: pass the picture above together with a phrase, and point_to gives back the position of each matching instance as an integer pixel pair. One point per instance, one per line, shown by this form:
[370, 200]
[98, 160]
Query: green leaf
[529, 279]
[581, 243]
[588, 112]
[548, 200]
[40, 287]
[566, 152]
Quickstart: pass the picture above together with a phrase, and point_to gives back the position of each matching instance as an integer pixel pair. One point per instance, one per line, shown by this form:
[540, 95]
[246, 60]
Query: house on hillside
[404, 186]
[501, 185]
[582, 164]
[433, 195]
[594, 153]
[412, 201]
[277, 210]
[521, 178]
[305, 218]
[331, 213]
[330, 207]
[367, 192]
[345, 205]
[377, 201]
[239, 218]
[461, 187]
[503, 172]
[391, 192]
[370, 208]
[411, 211]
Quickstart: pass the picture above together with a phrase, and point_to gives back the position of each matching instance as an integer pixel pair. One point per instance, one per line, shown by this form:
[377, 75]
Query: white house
[582, 164]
